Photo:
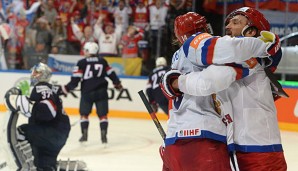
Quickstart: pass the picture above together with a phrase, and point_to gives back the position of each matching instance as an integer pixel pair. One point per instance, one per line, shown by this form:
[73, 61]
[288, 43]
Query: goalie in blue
[48, 127]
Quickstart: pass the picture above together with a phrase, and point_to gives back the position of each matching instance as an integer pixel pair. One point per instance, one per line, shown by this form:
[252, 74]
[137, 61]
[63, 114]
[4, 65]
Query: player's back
[94, 70]
[193, 116]
[154, 79]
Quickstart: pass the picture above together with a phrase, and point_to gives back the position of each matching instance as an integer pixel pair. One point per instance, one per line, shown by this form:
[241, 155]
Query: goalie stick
[152, 114]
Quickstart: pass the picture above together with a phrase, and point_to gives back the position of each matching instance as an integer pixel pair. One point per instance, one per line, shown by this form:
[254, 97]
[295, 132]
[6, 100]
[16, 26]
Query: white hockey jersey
[193, 116]
[247, 105]
[197, 116]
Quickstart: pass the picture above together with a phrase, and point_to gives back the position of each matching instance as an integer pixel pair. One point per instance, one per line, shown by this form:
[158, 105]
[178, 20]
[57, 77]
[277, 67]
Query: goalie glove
[23, 105]
[272, 40]
[166, 84]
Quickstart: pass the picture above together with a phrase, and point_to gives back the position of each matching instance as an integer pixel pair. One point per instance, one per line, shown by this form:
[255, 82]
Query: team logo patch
[189, 132]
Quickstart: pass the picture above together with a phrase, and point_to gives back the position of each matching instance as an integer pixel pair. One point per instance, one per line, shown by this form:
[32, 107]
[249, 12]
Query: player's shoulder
[39, 89]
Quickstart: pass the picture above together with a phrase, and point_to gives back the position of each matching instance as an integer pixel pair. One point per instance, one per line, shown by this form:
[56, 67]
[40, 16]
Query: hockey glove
[272, 40]
[23, 105]
[154, 106]
[166, 84]
[118, 86]
[63, 90]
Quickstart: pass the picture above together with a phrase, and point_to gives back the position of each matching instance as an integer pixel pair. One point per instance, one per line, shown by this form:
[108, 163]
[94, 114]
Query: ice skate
[104, 139]
[84, 137]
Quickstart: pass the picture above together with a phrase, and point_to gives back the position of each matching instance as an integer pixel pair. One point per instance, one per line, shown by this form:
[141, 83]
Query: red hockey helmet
[256, 18]
[190, 23]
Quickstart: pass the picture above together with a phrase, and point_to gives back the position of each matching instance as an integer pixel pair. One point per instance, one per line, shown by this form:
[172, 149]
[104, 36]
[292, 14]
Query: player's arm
[113, 76]
[221, 50]
[149, 91]
[77, 75]
[211, 80]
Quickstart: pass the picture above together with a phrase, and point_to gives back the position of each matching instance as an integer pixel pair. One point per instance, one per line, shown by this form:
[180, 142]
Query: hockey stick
[152, 114]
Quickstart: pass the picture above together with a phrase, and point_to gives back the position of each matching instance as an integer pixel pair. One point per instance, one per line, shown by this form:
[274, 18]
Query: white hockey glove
[23, 105]
[272, 40]
[166, 84]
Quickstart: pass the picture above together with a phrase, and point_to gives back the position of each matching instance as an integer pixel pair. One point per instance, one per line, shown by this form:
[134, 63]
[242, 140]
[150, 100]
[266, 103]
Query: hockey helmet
[161, 61]
[90, 48]
[40, 73]
[256, 19]
[190, 23]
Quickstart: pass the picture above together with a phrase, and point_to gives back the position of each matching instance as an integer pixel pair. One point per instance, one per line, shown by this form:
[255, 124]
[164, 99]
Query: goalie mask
[190, 23]
[40, 73]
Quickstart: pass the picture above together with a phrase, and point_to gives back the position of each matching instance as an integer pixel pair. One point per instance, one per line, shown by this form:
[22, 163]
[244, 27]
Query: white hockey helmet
[40, 73]
[161, 61]
[90, 48]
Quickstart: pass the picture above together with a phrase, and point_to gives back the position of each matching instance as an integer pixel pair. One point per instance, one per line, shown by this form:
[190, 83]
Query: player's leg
[85, 110]
[100, 97]
[197, 154]
[102, 108]
[43, 141]
[261, 161]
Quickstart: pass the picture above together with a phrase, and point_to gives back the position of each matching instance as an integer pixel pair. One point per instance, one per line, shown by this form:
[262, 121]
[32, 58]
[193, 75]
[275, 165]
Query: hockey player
[48, 127]
[154, 93]
[91, 72]
[255, 134]
[197, 125]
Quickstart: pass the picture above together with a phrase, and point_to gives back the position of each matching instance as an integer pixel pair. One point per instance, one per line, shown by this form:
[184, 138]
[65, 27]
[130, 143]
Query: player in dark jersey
[48, 127]
[154, 93]
[91, 72]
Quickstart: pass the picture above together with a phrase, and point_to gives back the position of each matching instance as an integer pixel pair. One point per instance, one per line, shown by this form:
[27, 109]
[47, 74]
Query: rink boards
[127, 103]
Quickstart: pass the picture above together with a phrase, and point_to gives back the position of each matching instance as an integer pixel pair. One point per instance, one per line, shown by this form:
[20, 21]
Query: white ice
[133, 146]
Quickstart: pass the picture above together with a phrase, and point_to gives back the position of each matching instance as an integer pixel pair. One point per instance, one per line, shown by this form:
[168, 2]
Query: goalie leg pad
[71, 165]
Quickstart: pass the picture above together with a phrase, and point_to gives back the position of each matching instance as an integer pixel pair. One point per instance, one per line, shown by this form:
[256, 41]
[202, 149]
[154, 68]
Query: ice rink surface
[133, 146]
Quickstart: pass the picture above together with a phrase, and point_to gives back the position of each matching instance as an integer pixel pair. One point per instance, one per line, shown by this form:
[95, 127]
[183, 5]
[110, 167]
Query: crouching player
[48, 127]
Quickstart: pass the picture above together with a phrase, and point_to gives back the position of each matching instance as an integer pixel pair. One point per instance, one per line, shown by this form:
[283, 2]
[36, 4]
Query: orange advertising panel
[287, 110]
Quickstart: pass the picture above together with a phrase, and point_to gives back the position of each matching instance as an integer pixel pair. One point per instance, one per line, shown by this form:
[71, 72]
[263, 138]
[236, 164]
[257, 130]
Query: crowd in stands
[122, 28]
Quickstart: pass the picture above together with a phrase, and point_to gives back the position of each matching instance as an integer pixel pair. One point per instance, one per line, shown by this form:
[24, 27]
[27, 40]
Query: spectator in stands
[93, 9]
[73, 43]
[50, 11]
[108, 38]
[179, 6]
[59, 37]
[43, 37]
[66, 9]
[158, 14]
[86, 36]
[141, 16]
[121, 14]
[129, 42]
[29, 48]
